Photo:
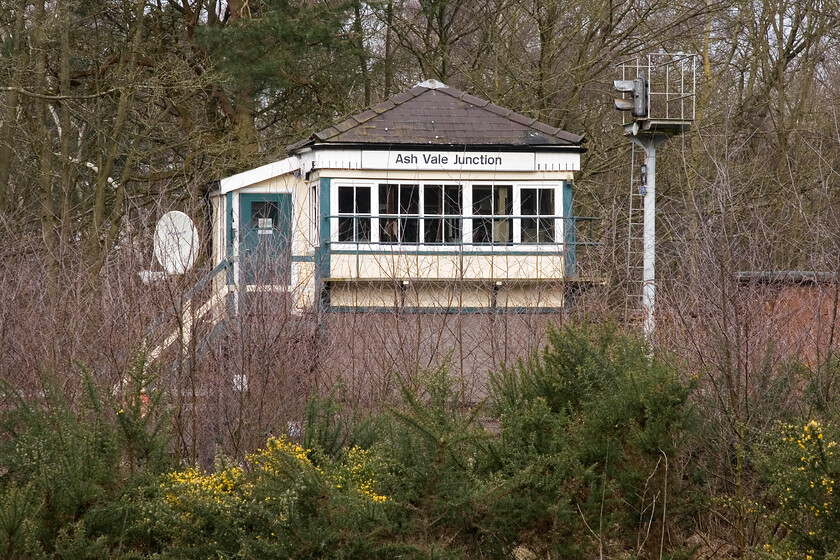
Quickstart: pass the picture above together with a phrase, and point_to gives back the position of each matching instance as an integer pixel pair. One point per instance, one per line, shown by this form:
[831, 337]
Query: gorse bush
[64, 466]
[281, 504]
[568, 457]
[803, 470]
[435, 449]
[587, 428]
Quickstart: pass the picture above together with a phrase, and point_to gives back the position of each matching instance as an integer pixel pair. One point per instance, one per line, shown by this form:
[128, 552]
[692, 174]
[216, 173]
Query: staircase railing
[188, 315]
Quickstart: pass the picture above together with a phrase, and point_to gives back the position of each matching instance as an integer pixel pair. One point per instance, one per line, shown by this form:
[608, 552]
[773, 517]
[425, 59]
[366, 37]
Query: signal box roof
[434, 114]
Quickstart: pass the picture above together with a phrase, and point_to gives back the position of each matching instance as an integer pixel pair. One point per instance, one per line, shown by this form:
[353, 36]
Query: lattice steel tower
[658, 97]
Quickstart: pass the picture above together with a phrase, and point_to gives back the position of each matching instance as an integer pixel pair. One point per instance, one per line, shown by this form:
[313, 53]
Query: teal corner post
[570, 232]
[229, 277]
[322, 255]
[229, 236]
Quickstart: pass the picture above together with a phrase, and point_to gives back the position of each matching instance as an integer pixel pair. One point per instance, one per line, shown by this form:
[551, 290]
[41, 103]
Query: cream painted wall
[408, 264]
[443, 297]
[386, 175]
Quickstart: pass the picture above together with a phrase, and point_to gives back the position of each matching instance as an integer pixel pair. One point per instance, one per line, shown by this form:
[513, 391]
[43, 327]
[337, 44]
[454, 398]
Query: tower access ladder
[633, 312]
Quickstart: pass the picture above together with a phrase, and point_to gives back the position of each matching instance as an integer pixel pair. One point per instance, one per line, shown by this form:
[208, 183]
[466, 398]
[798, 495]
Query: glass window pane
[503, 231]
[345, 200]
[363, 227]
[482, 201]
[409, 199]
[546, 230]
[546, 202]
[387, 199]
[432, 203]
[503, 200]
[452, 200]
[433, 233]
[363, 200]
[529, 230]
[410, 229]
[482, 228]
[261, 211]
[537, 202]
[345, 229]
[529, 202]
[400, 208]
[452, 230]
[388, 230]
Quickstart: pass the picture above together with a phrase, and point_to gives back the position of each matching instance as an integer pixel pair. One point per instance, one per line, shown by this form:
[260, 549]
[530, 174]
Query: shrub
[64, 466]
[803, 470]
[282, 504]
[587, 429]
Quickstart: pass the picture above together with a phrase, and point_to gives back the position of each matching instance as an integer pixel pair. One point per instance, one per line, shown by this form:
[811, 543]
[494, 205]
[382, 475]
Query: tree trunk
[7, 198]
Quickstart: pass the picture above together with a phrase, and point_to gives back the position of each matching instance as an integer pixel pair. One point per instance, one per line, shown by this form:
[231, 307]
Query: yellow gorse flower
[358, 471]
[270, 458]
[233, 489]
[191, 485]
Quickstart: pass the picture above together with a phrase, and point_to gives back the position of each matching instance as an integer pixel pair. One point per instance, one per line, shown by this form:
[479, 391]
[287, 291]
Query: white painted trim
[448, 160]
[408, 248]
[557, 161]
[237, 264]
[336, 159]
[259, 174]
[357, 159]
[456, 176]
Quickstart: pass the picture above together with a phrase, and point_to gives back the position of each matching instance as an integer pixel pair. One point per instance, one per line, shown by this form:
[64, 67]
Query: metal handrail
[187, 314]
[574, 220]
[207, 278]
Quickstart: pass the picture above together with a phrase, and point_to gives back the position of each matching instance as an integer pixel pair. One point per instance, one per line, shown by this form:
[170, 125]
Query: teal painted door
[265, 242]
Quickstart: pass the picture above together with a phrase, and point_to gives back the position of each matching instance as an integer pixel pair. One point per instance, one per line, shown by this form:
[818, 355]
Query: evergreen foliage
[65, 467]
[584, 431]
[574, 454]
[801, 468]
[587, 428]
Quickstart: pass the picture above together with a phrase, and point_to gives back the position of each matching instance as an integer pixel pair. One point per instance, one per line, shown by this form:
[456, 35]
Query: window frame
[356, 216]
[447, 220]
[466, 218]
[539, 216]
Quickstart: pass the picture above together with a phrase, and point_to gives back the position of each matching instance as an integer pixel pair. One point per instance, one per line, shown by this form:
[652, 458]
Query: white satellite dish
[176, 242]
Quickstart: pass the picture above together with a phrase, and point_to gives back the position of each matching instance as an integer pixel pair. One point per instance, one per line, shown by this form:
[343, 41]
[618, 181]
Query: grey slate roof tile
[442, 115]
[522, 119]
[331, 131]
[473, 100]
[344, 126]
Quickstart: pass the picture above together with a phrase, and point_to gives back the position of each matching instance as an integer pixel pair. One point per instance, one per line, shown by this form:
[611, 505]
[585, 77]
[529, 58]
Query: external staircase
[192, 310]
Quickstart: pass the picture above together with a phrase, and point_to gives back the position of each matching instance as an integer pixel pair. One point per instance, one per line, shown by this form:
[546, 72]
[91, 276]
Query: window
[496, 203]
[538, 203]
[354, 213]
[399, 213]
[264, 217]
[434, 213]
[442, 213]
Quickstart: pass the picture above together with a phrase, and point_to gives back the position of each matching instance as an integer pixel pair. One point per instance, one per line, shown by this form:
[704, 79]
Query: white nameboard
[448, 161]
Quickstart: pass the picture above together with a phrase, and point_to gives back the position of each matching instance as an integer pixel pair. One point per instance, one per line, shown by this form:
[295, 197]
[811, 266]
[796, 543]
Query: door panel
[265, 243]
